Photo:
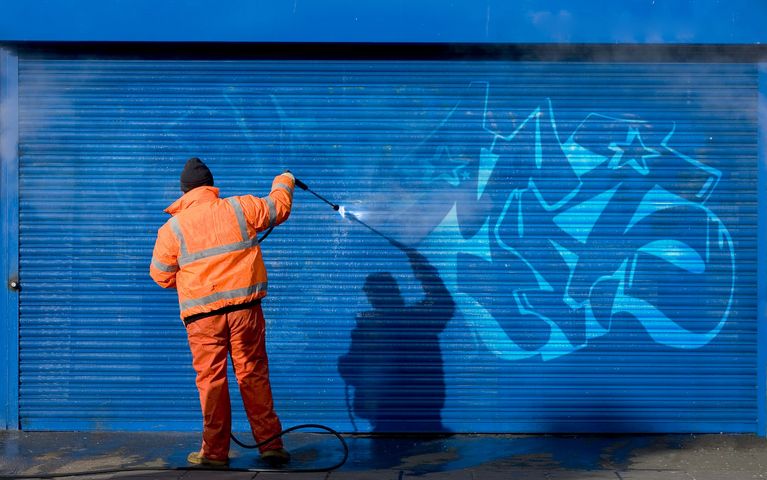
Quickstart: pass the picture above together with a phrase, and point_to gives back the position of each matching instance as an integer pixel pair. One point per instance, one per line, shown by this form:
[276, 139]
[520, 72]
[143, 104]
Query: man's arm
[437, 294]
[165, 258]
[265, 212]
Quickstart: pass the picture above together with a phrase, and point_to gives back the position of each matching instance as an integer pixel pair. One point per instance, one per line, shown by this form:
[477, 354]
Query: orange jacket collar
[193, 197]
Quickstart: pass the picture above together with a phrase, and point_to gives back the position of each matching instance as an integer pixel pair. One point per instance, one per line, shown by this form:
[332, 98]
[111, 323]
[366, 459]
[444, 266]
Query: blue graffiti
[580, 232]
[576, 231]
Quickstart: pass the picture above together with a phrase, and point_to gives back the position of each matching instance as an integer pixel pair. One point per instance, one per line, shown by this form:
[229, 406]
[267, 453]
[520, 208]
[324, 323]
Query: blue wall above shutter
[588, 234]
[387, 21]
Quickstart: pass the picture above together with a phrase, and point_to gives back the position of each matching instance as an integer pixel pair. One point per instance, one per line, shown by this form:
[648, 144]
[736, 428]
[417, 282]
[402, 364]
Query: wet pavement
[456, 457]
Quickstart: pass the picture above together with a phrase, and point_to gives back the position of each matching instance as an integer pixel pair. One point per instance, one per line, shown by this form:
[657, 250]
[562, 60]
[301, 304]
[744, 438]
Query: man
[208, 252]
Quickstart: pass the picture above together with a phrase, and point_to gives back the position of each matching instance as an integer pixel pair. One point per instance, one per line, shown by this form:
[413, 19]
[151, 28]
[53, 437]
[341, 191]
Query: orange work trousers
[211, 339]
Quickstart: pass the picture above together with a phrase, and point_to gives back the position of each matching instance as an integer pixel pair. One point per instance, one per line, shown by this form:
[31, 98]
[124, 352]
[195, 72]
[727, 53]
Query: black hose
[263, 237]
[299, 427]
[207, 468]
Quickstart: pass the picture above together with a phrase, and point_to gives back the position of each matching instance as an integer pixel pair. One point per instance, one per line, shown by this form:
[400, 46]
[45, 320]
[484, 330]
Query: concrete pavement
[456, 457]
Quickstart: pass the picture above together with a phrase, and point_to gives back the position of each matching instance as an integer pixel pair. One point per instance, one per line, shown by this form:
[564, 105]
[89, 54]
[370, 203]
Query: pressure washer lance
[304, 186]
[349, 215]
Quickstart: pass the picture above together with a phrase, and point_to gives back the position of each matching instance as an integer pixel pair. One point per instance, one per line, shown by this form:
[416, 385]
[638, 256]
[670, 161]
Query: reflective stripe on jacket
[209, 250]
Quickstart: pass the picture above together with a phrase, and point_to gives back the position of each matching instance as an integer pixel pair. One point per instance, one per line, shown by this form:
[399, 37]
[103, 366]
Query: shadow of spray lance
[344, 214]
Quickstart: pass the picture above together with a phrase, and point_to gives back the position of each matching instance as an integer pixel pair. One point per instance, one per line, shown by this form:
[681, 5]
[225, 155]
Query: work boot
[198, 459]
[276, 458]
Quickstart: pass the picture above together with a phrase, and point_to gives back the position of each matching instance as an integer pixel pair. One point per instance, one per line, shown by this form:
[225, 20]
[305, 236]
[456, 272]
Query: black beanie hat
[195, 174]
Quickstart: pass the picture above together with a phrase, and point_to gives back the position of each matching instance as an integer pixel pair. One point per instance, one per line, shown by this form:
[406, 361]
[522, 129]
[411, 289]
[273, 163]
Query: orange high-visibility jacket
[209, 251]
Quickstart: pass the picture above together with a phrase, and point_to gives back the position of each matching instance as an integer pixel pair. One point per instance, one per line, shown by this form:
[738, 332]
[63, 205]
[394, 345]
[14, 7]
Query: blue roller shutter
[587, 232]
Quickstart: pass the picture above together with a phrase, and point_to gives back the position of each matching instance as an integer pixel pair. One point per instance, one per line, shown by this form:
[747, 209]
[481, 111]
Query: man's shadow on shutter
[394, 361]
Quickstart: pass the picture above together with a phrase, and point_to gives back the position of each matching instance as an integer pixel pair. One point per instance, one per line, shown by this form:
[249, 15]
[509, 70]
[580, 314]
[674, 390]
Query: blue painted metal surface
[587, 238]
[390, 21]
[762, 252]
[9, 239]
